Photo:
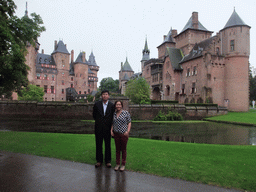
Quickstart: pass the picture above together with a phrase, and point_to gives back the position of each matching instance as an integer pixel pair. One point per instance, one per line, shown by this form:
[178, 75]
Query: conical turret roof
[61, 48]
[126, 66]
[234, 20]
[91, 60]
[79, 58]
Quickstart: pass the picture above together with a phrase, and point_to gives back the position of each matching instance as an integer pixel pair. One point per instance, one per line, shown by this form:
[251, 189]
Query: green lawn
[237, 117]
[222, 165]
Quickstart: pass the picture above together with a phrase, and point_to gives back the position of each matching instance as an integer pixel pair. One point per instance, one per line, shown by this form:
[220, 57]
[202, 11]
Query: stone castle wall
[25, 109]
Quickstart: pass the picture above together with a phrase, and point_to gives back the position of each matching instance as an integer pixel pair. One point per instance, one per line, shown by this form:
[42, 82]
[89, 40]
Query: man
[103, 115]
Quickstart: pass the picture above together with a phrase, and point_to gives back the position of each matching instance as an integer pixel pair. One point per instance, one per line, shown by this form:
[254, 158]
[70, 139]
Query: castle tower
[193, 32]
[124, 75]
[93, 72]
[145, 55]
[81, 83]
[168, 42]
[61, 58]
[235, 46]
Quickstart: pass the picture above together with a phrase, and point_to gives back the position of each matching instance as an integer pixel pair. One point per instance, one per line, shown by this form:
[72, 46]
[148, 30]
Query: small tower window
[232, 45]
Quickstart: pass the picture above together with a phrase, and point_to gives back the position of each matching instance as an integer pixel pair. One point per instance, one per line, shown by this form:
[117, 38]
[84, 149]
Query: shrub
[170, 116]
[160, 116]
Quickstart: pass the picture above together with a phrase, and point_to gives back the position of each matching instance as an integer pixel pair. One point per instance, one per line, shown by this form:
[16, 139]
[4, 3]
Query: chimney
[66, 45]
[42, 51]
[164, 37]
[121, 66]
[83, 57]
[174, 32]
[55, 45]
[195, 20]
[72, 56]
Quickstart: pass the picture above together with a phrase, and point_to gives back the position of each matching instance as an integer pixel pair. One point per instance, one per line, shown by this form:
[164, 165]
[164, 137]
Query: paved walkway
[19, 172]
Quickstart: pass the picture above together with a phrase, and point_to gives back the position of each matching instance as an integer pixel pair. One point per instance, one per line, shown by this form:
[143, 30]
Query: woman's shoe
[122, 168]
[117, 167]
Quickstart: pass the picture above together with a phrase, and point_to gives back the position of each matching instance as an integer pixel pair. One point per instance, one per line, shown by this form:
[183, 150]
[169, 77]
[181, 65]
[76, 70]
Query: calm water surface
[199, 132]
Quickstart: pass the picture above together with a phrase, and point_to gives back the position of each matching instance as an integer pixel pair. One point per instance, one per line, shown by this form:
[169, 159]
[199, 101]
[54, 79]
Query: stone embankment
[62, 110]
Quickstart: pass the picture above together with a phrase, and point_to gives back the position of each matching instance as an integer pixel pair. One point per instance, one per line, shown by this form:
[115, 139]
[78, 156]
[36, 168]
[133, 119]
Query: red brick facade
[196, 67]
[55, 72]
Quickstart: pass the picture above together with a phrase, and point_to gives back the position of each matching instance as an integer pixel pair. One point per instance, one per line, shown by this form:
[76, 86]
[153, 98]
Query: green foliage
[160, 117]
[138, 91]
[90, 98]
[170, 116]
[15, 35]
[109, 84]
[252, 87]
[31, 93]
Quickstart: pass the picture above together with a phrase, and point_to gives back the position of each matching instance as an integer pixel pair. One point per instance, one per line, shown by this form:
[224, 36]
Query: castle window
[167, 90]
[193, 88]
[38, 76]
[183, 89]
[89, 90]
[72, 79]
[63, 74]
[194, 72]
[45, 88]
[232, 45]
[62, 91]
[52, 89]
[53, 79]
[62, 82]
[218, 50]
[72, 85]
[45, 76]
[188, 72]
[80, 92]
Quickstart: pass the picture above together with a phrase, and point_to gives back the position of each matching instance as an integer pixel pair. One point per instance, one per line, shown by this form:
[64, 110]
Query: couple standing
[111, 120]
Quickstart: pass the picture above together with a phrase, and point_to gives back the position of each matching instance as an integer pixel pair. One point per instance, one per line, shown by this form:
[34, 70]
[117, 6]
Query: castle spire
[145, 51]
[26, 12]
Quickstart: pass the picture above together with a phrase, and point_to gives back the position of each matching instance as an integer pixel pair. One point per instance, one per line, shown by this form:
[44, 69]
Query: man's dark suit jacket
[103, 122]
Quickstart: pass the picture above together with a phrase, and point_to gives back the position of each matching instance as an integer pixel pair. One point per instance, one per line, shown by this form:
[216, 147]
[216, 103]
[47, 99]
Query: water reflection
[198, 132]
[205, 132]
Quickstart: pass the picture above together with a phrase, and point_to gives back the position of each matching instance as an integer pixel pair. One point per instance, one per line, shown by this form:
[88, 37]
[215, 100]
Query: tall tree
[138, 90]
[15, 34]
[110, 84]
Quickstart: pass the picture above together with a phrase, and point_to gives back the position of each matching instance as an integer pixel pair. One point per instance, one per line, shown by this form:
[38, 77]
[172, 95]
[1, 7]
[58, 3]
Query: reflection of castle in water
[205, 132]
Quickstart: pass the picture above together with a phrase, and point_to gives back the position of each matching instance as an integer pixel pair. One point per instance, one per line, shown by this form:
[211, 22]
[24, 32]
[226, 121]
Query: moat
[197, 132]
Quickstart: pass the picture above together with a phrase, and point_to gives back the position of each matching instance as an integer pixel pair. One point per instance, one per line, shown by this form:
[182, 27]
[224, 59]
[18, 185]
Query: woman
[120, 131]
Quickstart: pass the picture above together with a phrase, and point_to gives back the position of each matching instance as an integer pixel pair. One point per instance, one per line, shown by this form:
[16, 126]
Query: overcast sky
[114, 29]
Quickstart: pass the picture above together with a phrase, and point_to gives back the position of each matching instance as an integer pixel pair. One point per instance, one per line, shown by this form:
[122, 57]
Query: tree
[31, 93]
[110, 84]
[138, 90]
[15, 35]
[252, 87]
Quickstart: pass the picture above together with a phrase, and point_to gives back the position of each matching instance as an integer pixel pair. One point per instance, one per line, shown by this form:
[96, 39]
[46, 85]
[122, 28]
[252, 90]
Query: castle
[61, 78]
[195, 67]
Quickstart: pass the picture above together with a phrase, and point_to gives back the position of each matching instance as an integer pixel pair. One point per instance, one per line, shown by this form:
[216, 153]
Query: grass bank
[221, 165]
[237, 117]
